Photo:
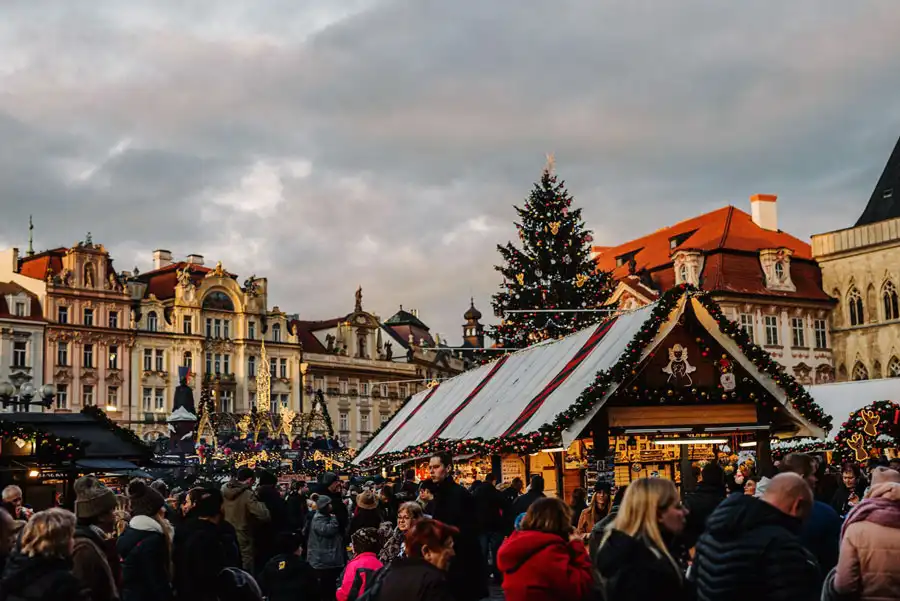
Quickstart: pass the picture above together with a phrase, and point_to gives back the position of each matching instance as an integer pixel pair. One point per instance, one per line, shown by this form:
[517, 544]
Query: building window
[218, 364]
[88, 317]
[779, 271]
[62, 396]
[276, 333]
[226, 365]
[889, 297]
[114, 357]
[384, 390]
[343, 386]
[114, 319]
[860, 372]
[384, 418]
[798, 332]
[273, 367]
[364, 422]
[187, 325]
[208, 327]
[227, 328]
[20, 309]
[283, 363]
[159, 399]
[344, 421]
[217, 328]
[747, 325]
[160, 360]
[62, 353]
[364, 388]
[893, 369]
[404, 391]
[855, 304]
[209, 363]
[187, 360]
[227, 402]
[88, 355]
[148, 359]
[62, 314]
[319, 383]
[252, 401]
[152, 322]
[112, 396]
[771, 330]
[251, 327]
[251, 366]
[820, 327]
[20, 353]
[285, 401]
[148, 399]
[87, 396]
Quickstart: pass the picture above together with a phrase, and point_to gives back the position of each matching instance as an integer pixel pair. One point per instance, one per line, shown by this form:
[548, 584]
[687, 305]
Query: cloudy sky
[330, 143]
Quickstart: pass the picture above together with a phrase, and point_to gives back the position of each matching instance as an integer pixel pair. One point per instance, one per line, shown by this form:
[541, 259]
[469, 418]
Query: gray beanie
[92, 498]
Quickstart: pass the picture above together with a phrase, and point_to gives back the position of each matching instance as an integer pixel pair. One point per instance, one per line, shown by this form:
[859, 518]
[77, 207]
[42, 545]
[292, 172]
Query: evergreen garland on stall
[874, 427]
[124, 434]
[552, 270]
[48, 448]
[549, 435]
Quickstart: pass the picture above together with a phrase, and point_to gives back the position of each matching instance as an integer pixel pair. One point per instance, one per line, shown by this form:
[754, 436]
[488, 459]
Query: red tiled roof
[36, 266]
[36, 313]
[162, 282]
[730, 242]
[402, 332]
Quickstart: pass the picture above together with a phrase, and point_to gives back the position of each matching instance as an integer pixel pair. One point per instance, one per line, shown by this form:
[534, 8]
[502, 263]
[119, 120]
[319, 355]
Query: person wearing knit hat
[144, 546]
[94, 559]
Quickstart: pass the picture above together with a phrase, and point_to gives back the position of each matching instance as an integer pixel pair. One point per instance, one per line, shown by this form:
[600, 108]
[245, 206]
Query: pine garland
[549, 435]
[48, 448]
[124, 434]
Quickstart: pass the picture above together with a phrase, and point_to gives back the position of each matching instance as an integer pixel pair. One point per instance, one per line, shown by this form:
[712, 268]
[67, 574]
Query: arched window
[779, 271]
[276, 332]
[889, 298]
[685, 274]
[152, 321]
[187, 360]
[893, 369]
[855, 306]
[860, 372]
[218, 301]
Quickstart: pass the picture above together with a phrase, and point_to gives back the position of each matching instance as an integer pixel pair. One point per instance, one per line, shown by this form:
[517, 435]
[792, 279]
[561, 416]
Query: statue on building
[358, 307]
[388, 351]
[361, 350]
[89, 275]
[66, 278]
[184, 396]
[329, 342]
[251, 286]
[184, 277]
[89, 240]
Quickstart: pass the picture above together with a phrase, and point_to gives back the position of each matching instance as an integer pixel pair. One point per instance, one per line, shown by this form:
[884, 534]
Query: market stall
[620, 394]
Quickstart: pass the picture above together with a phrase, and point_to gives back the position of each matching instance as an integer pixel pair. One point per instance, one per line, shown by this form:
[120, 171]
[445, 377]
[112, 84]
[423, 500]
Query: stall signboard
[606, 471]
[512, 467]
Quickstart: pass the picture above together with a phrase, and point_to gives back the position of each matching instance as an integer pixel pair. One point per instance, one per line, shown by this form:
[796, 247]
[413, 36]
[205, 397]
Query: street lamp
[26, 393]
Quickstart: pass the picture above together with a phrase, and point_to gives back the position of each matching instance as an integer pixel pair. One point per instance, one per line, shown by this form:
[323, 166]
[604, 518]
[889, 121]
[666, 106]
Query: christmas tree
[552, 271]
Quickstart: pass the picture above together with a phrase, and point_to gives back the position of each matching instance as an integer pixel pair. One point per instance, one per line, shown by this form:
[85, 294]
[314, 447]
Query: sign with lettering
[512, 467]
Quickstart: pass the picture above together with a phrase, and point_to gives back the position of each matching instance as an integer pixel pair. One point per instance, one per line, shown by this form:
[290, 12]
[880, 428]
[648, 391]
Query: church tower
[473, 331]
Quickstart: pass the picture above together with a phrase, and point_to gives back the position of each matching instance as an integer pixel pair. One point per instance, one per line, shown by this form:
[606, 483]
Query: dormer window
[18, 304]
[678, 240]
[626, 258]
[776, 266]
[688, 266]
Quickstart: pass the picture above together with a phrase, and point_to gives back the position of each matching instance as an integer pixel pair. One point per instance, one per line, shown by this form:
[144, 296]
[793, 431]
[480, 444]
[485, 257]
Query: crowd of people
[793, 537]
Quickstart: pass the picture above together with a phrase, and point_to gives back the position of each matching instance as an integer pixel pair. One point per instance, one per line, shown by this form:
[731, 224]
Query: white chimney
[764, 210]
[195, 259]
[161, 258]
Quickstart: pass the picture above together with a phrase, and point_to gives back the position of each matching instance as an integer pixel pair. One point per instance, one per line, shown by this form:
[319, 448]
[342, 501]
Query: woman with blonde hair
[41, 569]
[635, 558]
[545, 560]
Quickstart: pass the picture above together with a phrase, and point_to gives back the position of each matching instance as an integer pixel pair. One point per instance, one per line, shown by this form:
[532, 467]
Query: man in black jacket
[752, 550]
[535, 492]
[454, 505]
[491, 510]
[702, 502]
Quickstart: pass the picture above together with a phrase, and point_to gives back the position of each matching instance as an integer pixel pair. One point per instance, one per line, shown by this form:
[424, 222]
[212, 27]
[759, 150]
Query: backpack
[374, 581]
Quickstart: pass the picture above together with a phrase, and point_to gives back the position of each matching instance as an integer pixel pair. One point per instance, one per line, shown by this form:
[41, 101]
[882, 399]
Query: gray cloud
[326, 144]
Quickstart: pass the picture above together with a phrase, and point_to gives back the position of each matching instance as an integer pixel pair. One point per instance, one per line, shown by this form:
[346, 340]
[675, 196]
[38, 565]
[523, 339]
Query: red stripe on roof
[470, 398]
[406, 421]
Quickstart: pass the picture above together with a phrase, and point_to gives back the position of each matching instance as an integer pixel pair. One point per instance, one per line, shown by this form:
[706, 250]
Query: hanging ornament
[554, 228]
[538, 272]
[567, 259]
[588, 238]
[553, 261]
[565, 211]
[520, 277]
[580, 280]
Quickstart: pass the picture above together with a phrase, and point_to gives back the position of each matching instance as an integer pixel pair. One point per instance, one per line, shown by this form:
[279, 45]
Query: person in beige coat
[243, 510]
[598, 509]
[868, 568]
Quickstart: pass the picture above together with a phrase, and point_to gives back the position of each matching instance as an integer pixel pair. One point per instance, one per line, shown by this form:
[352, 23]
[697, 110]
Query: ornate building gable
[688, 266]
[776, 266]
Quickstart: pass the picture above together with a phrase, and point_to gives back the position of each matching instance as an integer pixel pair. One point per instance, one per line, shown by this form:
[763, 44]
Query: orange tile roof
[36, 266]
[162, 282]
[730, 242]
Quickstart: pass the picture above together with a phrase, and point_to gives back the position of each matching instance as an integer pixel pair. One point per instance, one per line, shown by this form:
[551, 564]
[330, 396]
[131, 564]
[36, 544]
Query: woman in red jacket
[545, 560]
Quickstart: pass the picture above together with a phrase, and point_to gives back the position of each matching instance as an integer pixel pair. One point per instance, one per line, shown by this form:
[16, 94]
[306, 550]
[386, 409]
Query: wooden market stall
[44, 453]
[643, 393]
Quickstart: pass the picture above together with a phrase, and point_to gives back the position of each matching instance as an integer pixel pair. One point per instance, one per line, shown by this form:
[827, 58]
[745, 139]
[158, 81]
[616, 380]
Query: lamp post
[23, 395]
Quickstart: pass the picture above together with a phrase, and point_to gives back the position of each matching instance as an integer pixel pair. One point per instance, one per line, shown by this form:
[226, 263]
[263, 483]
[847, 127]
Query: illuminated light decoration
[46, 447]
[549, 435]
[875, 426]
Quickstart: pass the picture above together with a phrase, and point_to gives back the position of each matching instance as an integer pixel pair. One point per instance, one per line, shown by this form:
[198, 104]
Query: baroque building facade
[763, 278]
[188, 315]
[87, 342]
[861, 269]
[21, 339]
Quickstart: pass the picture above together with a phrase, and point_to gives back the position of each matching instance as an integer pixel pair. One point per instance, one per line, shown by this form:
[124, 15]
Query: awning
[521, 392]
[105, 464]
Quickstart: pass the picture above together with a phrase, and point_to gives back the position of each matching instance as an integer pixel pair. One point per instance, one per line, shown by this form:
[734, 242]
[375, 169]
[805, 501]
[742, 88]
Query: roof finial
[358, 307]
[551, 164]
[30, 252]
